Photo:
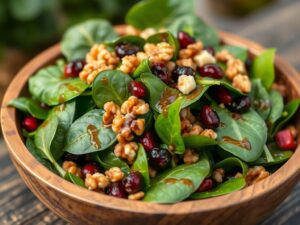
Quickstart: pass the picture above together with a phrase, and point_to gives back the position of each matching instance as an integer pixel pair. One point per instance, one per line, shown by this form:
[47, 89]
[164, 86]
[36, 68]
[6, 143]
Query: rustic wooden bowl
[80, 206]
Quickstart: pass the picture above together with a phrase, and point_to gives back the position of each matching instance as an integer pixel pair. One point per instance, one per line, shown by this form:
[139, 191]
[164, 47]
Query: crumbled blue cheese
[186, 84]
[204, 58]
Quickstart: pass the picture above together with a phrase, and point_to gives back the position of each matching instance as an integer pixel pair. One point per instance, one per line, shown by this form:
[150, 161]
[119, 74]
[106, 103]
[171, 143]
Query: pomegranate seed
[133, 183]
[206, 185]
[159, 158]
[210, 50]
[161, 71]
[185, 39]
[182, 70]
[285, 140]
[116, 189]
[211, 70]
[148, 140]
[73, 69]
[209, 118]
[137, 89]
[126, 49]
[90, 168]
[240, 104]
[221, 94]
[30, 123]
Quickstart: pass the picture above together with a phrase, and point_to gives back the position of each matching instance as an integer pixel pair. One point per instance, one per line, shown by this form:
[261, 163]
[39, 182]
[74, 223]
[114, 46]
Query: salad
[160, 113]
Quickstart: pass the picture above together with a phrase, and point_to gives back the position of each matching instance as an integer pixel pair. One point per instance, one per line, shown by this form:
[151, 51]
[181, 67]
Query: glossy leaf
[111, 85]
[195, 95]
[230, 163]
[74, 179]
[277, 106]
[141, 164]
[239, 52]
[198, 141]
[84, 104]
[143, 67]
[134, 40]
[88, 134]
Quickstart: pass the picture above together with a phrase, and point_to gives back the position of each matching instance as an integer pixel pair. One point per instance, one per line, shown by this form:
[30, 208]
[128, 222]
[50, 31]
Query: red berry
[133, 183]
[116, 189]
[73, 69]
[182, 70]
[211, 70]
[221, 94]
[90, 168]
[240, 104]
[30, 123]
[210, 50]
[159, 158]
[206, 185]
[137, 89]
[148, 140]
[185, 39]
[161, 71]
[125, 49]
[285, 140]
[209, 118]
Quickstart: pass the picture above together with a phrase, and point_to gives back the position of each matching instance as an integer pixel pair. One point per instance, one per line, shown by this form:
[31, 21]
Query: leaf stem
[268, 155]
[208, 82]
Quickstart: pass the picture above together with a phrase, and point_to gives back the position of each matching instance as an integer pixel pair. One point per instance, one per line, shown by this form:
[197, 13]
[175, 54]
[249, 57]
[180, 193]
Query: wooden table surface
[278, 26]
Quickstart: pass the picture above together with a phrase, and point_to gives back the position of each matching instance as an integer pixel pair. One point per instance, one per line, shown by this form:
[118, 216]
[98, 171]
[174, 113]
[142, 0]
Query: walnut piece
[161, 52]
[114, 174]
[242, 83]
[191, 50]
[95, 181]
[256, 174]
[72, 168]
[190, 156]
[129, 64]
[137, 196]
[218, 175]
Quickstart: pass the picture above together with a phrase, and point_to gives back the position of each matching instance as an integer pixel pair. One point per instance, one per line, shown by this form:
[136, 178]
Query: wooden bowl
[81, 206]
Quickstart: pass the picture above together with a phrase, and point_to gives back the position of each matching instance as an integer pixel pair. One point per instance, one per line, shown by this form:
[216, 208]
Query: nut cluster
[256, 174]
[218, 175]
[71, 167]
[160, 52]
[125, 123]
[190, 156]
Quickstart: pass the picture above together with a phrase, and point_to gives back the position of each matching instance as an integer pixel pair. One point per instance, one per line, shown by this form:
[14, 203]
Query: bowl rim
[19, 153]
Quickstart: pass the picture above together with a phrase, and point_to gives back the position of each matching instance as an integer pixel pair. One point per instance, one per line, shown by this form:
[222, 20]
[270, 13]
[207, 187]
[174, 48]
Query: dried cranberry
[185, 39]
[285, 140]
[133, 183]
[137, 89]
[221, 94]
[30, 123]
[210, 50]
[240, 104]
[148, 140]
[182, 70]
[208, 117]
[159, 158]
[90, 168]
[206, 185]
[116, 189]
[124, 49]
[73, 69]
[161, 71]
[211, 70]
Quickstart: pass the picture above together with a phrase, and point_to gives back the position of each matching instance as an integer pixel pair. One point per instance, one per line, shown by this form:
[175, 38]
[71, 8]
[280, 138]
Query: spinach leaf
[88, 134]
[194, 96]
[141, 164]
[50, 86]
[143, 67]
[260, 99]
[230, 163]
[242, 135]
[198, 141]
[160, 12]
[84, 104]
[111, 85]
[178, 183]
[289, 110]
[43, 139]
[148, 117]
[168, 126]
[107, 159]
[239, 52]
[78, 40]
[277, 106]
[196, 27]
[227, 187]
[30, 106]
[263, 67]
[134, 40]
[74, 179]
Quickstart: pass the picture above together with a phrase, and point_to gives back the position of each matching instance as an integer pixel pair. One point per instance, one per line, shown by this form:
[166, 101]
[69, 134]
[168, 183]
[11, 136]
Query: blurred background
[29, 26]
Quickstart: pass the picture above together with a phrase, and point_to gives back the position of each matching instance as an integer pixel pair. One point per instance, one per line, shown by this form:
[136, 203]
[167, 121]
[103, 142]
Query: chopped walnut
[91, 71]
[72, 168]
[186, 114]
[138, 126]
[256, 174]
[209, 133]
[129, 64]
[187, 62]
[161, 52]
[224, 56]
[235, 67]
[135, 106]
[204, 58]
[95, 181]
[293, 130]
[218, 175]
[190, 156]
[137, 196]
[242, 83]
[126, 151]
[171, 66]
[281, 88]
[114, 174]
[111, 110]
[191, 50]
[238, 175]
[196, 129]
[141, 56]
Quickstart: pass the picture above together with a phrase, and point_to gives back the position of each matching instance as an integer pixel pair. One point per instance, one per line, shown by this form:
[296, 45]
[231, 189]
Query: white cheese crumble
[186, 84]
[204, 58]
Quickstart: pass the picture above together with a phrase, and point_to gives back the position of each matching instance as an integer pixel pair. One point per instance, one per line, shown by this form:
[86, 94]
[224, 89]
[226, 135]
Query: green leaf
[239, 52]
[227, 187]
[263, 67]
[157, 13]
[129, 39]
[74, 179]
[194, 96]
[260, 99]
[111, 85]
[107, 159]
[48, 85]
[84, 104]
[78, 40]
[231, 163]
[144, 67]
[30, 106]
[26, 9]
[242, 135]
[196, 27]
[178, 183]
[198, 141]
[168, 127]
[141, 164]
[88, 134]
[277, 106]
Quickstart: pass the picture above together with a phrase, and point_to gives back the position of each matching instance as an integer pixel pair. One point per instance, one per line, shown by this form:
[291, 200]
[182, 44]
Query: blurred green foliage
[31, 25]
